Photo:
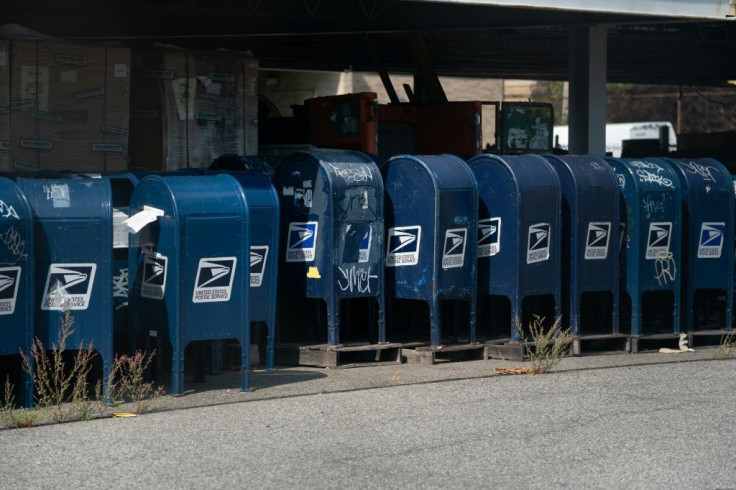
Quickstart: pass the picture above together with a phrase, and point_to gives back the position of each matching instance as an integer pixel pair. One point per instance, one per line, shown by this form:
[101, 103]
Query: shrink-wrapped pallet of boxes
[4, 104]
[188, 108]
[68, 107]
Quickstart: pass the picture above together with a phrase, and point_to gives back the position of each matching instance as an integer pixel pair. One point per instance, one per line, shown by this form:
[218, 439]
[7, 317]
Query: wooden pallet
[653, 342]
[600, 344]
[506, 350]
[426, 354]
[710, 338]
[345, 356]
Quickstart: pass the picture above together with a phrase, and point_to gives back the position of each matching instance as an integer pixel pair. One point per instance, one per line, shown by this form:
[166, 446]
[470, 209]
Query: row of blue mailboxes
[170, 250]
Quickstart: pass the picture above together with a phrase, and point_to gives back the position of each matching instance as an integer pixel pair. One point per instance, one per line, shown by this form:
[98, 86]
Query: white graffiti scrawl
[649, 177]
[702, 170]
[665, 269]
[7, 211]
[14, 242]
[355, 279]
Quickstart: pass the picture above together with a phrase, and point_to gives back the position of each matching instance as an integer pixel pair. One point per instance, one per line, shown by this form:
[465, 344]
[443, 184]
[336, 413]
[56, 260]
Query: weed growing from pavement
[62, 389]
[726, 348]
[11, 416]
[126, 382]
[545, 347]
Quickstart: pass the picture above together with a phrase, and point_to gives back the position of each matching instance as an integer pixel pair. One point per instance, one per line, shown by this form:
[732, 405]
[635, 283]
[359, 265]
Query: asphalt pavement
[608, 421]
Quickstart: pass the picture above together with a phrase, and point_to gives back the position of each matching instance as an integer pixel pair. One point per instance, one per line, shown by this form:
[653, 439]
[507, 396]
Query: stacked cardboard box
[189, 107]
[68, 107]
[5, 143]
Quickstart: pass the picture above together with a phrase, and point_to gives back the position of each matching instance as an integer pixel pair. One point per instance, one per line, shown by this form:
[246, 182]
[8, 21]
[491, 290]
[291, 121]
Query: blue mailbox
[589, 244]
[189, 280]
[263, 203]
[121, 188]
[73, 260]
[431, 217]
[707, 238]
[518, 239]
[651, 212]
[16, 279]
[332, 239]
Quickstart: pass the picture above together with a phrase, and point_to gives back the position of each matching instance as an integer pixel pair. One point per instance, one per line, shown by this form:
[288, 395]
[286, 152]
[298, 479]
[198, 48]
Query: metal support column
[587, 73]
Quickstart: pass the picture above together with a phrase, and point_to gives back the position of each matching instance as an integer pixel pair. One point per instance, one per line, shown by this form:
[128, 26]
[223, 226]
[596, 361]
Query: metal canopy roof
[665, 41]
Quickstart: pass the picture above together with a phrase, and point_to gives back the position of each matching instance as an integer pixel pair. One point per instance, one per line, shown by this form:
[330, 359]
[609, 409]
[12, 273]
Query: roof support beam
[587, 73]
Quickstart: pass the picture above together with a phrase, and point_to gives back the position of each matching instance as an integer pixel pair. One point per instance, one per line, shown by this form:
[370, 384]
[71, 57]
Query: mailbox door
[411, 215]
[214, 277]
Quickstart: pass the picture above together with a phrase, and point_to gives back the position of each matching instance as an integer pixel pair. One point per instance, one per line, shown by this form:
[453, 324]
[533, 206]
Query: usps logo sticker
[403, 246]
[364, 251]
[538, 243]
[302, 242]
[214, 280]
[9, 280]
[658, 240]
[489, 237]
[153, 285]
[453, 253]
[68, 286]
[711, 240]
[258, 256]
[596, 244]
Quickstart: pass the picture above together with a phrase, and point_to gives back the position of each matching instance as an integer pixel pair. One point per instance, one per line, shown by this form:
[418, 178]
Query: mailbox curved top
[577, 172]
[182, 196]
[524, 170]
[447, 172]
[700, 176]
[70, 198]
[636, 175]
[259, 188]
[340, 168]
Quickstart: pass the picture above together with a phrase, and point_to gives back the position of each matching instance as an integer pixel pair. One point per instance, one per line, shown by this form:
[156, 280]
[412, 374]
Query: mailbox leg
[177, 369]
[435, 327]
[471, 306]
[333, 323]
[676, 314]
[635, 315]
[245, 357]
[217, 364]
[615, 315]
[380, 300]
[28, 386]
[270, 345]
[516, 319]
[729, 308]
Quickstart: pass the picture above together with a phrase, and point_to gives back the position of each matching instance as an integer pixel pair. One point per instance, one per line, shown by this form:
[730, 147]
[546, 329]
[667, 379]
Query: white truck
[616, 133]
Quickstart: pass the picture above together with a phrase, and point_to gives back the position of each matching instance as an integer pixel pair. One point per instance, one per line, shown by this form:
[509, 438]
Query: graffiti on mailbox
[704, 171]
[665, 269]
[15, 243]
[120, 287]
[355, 278]
[7, 211]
